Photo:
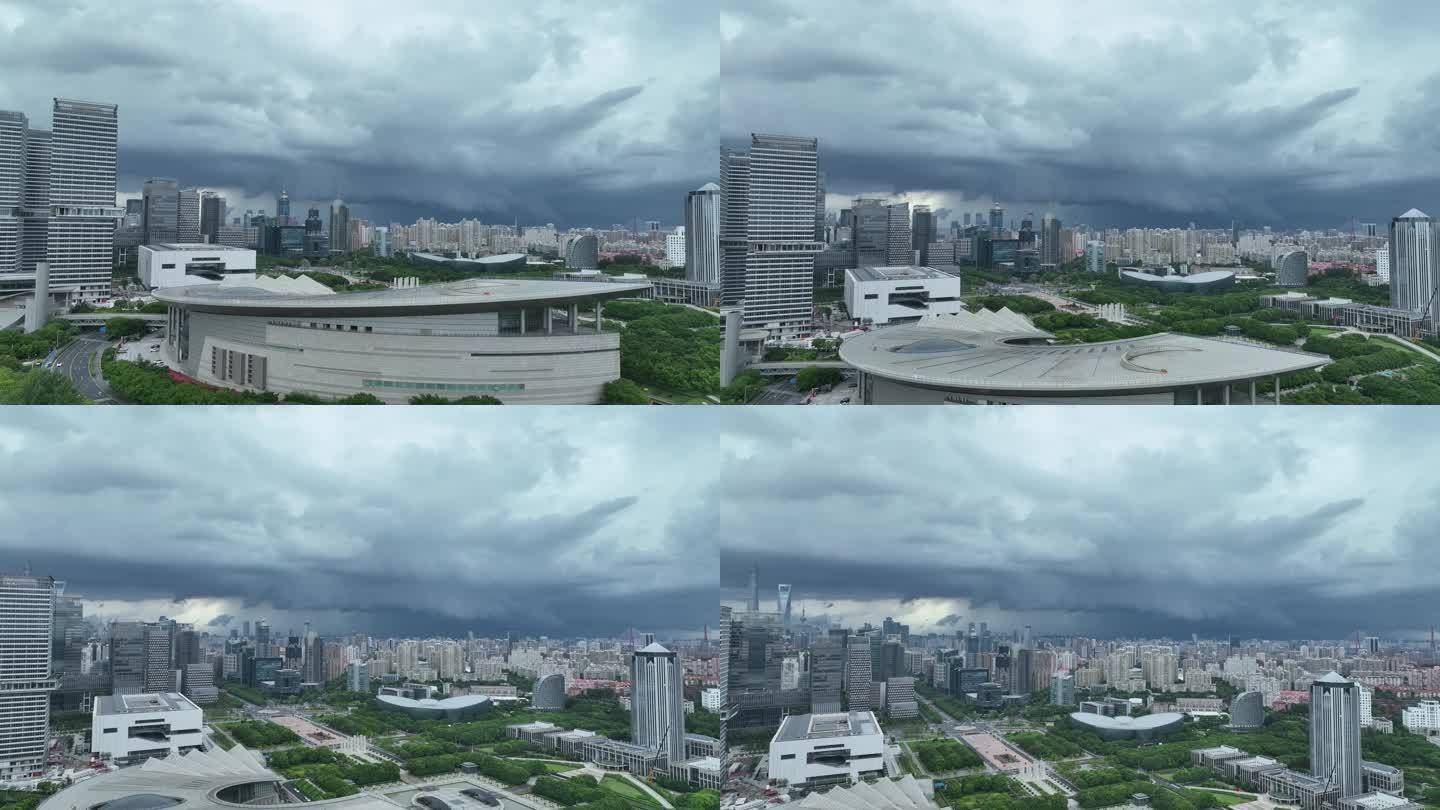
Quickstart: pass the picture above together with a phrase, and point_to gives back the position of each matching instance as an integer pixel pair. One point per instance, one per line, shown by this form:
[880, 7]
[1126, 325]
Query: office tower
[922, 233]
[1022, 672]
[159, 656]
[1062, 689]
[892, 660]
[734, 225]
[583, 253]
[27, 605]
[754, 589]
[1335, 733]
[339, 226]
[819, 206]
[187, 647]
[967, 219]
[858, 673]
[313, 224]
[897, 235]
[13, 129]
[997, 221]
[1372, 645]
[67, 641]
[83, 164]
[212, 217]
[162, 211]
[382, 242]
[314, 671]
[657, 711]
[1095, 257]
[244, 633]
[726, 710]
[869, 233]
[702, 235]
[827, 674]
[282, 208]
[1414, 256]
[188, 217]
[780, 246]
[1292, 268]
[675, 247]
[1050, 248]
[262, 637]
[782, 604]
[127, 658]
[1247, 711]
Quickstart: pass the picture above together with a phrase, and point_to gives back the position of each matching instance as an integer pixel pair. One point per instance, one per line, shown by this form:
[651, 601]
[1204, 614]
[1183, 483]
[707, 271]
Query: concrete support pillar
[1277, 389]
[599, 327]
[1227, 393]
[522, 321]
[1199, 395]
[549, 320]
[1252, 393]
[574, 319]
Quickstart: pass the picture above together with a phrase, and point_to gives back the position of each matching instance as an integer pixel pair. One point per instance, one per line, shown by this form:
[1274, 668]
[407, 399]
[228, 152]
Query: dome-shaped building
[549, 693]
[1247, 711]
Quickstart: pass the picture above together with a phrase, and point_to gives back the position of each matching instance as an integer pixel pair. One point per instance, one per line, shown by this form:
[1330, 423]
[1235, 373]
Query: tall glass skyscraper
[162, 211]
[28, 606]
[1335, 733]
[897, 235]
[657, 710]
[922, 233]
[84, 164]
[1414, 254]
[702, 235]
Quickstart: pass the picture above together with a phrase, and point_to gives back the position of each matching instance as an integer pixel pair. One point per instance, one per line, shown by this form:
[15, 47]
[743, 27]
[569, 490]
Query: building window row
[474, 388]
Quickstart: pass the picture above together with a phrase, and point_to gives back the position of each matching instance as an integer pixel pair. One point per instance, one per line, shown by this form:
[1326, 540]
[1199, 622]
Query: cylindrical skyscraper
[657, 713]
[702, 235]
[1335, 733]
[1414, 255]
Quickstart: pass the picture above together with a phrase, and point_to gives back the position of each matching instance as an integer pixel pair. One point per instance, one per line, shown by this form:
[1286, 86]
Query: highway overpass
[99, 318]
[790, 369]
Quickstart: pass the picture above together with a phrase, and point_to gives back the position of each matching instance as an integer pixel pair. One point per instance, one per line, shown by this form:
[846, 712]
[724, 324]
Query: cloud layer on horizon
[554, 110]
[1114, 113]
[404, 522]
[1276, 523]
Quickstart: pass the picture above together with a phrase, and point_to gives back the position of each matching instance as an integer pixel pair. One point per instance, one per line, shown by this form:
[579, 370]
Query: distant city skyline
[556, 116]
[432, 524]
[1128, 113]
[1283, 525]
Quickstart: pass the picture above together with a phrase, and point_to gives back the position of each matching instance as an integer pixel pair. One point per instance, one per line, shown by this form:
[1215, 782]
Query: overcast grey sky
[395, 522]
[1268, 522]
[1111, 112]
[550, 110]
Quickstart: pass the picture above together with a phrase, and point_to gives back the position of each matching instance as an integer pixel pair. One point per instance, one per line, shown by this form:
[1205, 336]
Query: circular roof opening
[934, 346]
[139, 801]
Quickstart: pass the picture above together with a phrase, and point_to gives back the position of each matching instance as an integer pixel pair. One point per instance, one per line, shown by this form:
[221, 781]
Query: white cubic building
[1422, 718]
[819, 749]
[1382, 264]
[183, 264]
[127, 728]
[885, 295]
[710, 700]
[675, 247]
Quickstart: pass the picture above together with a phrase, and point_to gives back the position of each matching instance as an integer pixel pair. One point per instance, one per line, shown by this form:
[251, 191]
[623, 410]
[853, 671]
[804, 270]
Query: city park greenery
[670, 350]
[35, 386]
[994, 792]
[945, 756]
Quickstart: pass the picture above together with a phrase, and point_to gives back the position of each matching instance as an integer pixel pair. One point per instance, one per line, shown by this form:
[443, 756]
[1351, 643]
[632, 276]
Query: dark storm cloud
[555, 110]
[1119, 112]
[430, 523]
[1281, 525]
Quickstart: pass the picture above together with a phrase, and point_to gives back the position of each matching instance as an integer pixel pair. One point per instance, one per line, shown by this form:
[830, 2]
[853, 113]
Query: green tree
[40, 386]
[360, 399]
[428, 399]
[811, 377]
[624, 392]
[484, 399]
[124, 327]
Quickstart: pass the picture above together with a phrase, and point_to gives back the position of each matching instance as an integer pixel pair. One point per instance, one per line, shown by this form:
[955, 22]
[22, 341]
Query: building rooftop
[891, 794]
[503, 258]
[1378, 801]
[445, 704]
[1414, 213]
[899, 273]
[826, 726]
[1005, 351]
[1149, 721]
[1333, 677]
[194, 246]
[136, 704]
[1193, 278]
[245, 296]
[653, 648]
[1378, 766]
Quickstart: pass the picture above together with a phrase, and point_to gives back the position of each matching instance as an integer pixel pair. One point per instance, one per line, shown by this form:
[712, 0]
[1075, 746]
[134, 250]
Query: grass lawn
[555, 767]
[1230, 799]
[622, 787]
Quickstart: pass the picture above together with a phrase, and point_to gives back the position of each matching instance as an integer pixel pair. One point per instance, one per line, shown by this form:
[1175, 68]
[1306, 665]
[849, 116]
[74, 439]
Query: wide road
[74, 361]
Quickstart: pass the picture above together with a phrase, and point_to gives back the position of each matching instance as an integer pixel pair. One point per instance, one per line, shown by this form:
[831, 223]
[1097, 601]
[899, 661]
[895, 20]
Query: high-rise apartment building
[1335, 733]
[702, 235]
[357, 676]
[1095, 257]
[780, 179]
[187, 217]
[1415, 264]
[897, 235]
[859, 678]
[27, 606]
[657, 710]
[160, 656]
[13, 138]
